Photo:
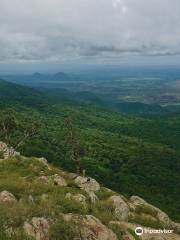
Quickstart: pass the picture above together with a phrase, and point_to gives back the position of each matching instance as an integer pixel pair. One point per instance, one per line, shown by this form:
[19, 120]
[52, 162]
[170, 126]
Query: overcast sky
[89, 31]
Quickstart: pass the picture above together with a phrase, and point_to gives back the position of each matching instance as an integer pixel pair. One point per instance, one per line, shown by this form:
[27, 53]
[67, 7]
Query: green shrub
[145, 221]
[116, 229]
[104, 194]
[1, 155]
[15, 236]
[62, 230]
[103, 211]
[133, 234]
[146, 210]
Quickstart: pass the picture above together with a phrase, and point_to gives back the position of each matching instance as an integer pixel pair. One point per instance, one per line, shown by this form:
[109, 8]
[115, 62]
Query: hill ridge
[50, 202]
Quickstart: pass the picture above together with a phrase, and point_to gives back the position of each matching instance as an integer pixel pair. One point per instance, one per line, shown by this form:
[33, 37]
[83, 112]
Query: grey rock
[121, 208]
[38, 228]
[91, 228]
[88, 184]
[160, 215]
[7, 198]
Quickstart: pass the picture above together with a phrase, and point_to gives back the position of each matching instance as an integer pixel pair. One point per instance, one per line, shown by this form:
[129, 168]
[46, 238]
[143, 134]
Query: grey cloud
[61, 30]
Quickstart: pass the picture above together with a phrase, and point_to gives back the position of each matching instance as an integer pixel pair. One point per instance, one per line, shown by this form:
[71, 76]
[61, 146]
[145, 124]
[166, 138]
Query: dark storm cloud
[62, 30]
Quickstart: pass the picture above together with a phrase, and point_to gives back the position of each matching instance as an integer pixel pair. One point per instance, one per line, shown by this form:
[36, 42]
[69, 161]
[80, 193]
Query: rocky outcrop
[125, 228]
[7, 151]
[121, 208]
[45, 162]
[7, 198]
[175, 226]
[37, 228]
[53, 187]
[91, 228]
[88, 184]
[158, 214]
[93, 198]
[55, 180]
[59, 181]
[43, 179]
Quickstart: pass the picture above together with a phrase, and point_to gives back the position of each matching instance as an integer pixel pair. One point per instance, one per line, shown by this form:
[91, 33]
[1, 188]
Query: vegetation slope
[130, 154]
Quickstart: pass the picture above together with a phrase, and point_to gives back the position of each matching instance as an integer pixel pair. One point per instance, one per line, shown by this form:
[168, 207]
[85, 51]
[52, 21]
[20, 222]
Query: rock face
[160, 215]
[7, 198]
[38, 228]
[121, 209]
[91, 228]
[7, 151]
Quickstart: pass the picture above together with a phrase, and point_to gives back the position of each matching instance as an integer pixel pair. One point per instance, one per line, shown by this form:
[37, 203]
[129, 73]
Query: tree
[16, 132]
[8, 124]
[75, 148]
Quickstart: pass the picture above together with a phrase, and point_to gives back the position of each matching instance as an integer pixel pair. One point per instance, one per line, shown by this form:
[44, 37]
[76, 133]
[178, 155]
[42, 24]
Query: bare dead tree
[76, 149]
[10, 127]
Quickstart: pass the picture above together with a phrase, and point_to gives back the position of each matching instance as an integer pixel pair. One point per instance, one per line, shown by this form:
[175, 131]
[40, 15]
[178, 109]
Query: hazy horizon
[42, 68]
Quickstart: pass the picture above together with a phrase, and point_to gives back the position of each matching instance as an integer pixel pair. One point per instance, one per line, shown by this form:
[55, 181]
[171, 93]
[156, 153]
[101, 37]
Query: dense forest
[130, 154]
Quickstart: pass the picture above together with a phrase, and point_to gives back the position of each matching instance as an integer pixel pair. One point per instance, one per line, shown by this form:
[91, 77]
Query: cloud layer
[88, 30]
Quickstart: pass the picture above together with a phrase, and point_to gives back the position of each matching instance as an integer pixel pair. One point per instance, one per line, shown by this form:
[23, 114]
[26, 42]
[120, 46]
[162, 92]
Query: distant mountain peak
[37, 74]
[61, 76]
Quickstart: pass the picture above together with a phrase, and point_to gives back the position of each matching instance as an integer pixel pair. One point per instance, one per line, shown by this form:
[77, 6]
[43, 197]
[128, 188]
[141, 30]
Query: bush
[103, 211]
[62, 230]
[146, 210]
[145, 221]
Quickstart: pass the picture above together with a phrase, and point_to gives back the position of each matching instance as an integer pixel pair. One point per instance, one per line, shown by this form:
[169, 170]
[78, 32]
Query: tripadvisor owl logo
[139, 231]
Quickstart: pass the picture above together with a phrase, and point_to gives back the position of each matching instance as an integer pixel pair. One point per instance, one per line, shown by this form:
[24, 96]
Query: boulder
[93, 197]
[160, 215]
[59, 181]
[121, 209]
[55, 179]
[91, 228]
[68, 196]
[88, 184]
[163, 217]
[7, 198]
[72, 175]
[31, 199]
[44, 161]
[7, 151]
[38, 228]
[44, 197]
[80, 198]
[175, 226]
[43, 179]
